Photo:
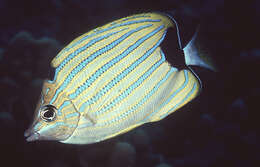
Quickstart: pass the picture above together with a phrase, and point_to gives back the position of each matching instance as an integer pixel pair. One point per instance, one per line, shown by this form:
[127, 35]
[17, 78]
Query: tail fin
[190, 40]
[196, 55]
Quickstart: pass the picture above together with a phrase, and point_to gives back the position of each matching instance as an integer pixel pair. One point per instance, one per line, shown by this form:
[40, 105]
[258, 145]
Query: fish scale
[123, 53]
[79, 67]
[163, 59]
[132, 47]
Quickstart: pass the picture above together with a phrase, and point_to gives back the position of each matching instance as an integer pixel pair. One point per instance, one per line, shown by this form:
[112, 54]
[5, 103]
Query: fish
[113, 79]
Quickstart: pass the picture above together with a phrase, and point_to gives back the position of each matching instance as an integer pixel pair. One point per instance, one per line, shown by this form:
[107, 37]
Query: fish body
[111, 80]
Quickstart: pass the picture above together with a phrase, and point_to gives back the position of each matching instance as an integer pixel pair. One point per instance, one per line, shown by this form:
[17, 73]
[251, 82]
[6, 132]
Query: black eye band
[48, 113]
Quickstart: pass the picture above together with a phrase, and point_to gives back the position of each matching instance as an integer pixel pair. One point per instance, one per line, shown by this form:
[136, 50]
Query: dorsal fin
[73, 48]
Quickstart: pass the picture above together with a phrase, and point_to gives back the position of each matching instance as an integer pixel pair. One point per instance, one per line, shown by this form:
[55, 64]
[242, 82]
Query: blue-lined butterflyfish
[112, 79]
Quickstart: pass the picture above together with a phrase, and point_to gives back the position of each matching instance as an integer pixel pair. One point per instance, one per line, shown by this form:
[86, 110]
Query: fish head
[52, 121]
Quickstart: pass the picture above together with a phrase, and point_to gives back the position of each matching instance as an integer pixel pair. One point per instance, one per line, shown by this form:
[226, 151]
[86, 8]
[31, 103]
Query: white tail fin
[193, 52]
[195, 56]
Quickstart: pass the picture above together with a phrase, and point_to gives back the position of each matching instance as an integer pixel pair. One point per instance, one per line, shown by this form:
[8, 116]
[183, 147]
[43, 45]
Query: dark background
[214, 130]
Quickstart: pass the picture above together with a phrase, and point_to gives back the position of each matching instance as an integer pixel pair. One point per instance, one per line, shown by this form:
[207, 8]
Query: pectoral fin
[91, 118]
[183, 87]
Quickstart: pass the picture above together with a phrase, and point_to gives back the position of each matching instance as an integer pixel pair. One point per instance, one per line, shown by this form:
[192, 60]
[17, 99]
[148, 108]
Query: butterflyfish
[113, 79]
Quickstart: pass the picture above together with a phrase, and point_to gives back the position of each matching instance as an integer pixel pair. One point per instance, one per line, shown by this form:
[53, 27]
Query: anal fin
[184, 87]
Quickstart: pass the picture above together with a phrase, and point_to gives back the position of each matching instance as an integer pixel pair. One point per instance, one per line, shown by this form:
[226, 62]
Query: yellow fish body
[111, 80]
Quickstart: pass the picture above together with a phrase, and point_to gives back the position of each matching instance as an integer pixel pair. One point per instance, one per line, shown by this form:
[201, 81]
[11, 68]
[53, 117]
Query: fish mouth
[31, 135]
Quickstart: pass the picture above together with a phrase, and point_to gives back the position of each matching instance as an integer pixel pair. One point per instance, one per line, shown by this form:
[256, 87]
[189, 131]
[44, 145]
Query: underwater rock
[228, 130]
[90, 155]
[8, 82]
[29, 54]
[238, 104]
[7, 127]
[149, 159]
[21, 38]
[207, 120]
[6, 119]
[139, 138]
[155, 132]
[123, 155]
[202, 156]
[238, 112]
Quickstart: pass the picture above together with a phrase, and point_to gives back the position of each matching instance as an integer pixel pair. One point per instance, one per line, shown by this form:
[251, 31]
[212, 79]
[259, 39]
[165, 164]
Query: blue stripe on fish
[83, 48]
[37, 126]
[134, 22]
[47, 90]
[125, 53]
[135, 17]
[112, 62]
[182, 101]
[109, 28]
[141, 102]
[134, 85]
[64, 104]
[74, 114]
[60, 124]
[118, 78]
[82, 64]
[171, 97]
[178, 90]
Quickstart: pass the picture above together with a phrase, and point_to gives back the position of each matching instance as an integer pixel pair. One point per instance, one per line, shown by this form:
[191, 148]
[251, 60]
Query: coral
[90, 155]
[139, 138]
[124, 154]
[32, 54]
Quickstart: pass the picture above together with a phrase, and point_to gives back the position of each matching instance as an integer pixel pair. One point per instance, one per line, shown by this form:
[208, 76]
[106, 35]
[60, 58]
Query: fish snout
[31, 135]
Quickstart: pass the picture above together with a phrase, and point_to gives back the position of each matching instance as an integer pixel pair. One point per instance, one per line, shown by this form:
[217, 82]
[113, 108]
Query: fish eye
[48, 113]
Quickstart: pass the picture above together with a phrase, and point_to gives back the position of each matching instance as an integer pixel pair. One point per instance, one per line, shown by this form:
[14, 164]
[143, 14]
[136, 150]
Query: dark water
[216, 129]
